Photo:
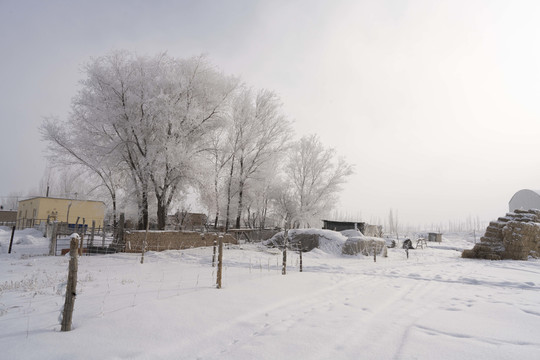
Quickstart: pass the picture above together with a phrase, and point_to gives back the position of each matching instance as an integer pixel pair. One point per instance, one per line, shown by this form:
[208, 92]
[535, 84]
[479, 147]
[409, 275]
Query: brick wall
[171, 240]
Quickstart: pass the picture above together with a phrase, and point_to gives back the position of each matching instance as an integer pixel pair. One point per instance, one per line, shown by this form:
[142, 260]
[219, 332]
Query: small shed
[435, 237]
[344, 225]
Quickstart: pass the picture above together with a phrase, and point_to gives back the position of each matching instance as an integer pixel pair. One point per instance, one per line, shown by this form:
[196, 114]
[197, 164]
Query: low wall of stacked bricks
[171, 240]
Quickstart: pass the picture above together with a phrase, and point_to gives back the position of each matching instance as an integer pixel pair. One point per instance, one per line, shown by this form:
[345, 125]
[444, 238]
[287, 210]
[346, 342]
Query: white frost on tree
[148, 117]
[312, 180]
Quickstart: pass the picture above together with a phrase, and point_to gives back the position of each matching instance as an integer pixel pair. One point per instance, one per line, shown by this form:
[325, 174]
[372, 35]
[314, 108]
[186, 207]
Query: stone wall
[171, 240]
[515, 236]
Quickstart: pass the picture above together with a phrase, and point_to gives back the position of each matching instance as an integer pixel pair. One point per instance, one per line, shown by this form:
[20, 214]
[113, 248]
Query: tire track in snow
[338, 314]
[277, 320]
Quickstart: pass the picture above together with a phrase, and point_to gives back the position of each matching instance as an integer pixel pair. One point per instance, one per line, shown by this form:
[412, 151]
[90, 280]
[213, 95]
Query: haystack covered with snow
[357, 243]
[308, 239]
[347, 242]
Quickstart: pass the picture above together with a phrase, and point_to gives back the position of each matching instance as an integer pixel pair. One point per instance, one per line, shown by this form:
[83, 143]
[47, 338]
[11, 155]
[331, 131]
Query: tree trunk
[143, 210]
[120, 232]
[228, 213]
[216, 194]
[240, 196]
[115, 220]
[240, 193]
[263, 215]
[161, 214]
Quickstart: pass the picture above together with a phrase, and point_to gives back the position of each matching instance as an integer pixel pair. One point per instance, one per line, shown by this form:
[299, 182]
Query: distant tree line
[153, 129]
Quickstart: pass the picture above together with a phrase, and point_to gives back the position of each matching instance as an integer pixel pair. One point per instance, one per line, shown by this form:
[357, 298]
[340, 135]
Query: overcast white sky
[435, 102]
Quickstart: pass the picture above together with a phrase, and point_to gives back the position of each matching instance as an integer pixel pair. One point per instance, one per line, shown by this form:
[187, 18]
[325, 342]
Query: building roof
[344, 222]
[57, 198]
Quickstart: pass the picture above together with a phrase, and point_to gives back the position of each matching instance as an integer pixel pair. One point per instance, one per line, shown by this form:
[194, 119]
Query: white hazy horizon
[435, 103]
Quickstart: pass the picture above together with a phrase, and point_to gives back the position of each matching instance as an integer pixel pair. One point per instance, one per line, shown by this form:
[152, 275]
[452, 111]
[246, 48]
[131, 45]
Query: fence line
[123, 283]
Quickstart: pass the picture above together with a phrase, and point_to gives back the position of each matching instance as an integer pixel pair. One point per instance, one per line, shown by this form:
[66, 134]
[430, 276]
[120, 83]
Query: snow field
[433, 305]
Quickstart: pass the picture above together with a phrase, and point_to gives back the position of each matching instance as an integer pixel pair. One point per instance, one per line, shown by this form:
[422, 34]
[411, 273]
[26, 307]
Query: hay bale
[365, 246]
[308, 241]
[515, 236]
[480, 251]
[520, 239]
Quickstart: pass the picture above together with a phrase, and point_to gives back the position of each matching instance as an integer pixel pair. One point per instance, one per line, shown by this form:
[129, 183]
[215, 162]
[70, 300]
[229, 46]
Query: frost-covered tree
[259, 195]
[239, 116]
[72, 181]
[11, 201]
[262, 133]
[313, 178]
[191, 105]
[147, 117]
[218, 157]
[71, 145]
[393, 222]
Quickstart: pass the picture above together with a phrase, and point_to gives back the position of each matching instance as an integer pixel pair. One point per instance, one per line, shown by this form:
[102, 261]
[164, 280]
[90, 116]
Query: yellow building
[37, 210]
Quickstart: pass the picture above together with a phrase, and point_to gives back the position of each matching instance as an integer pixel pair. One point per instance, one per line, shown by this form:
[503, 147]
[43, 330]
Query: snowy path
[376, 314]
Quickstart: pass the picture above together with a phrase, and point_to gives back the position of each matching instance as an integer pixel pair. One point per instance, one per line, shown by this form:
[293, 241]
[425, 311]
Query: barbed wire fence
[118, 281]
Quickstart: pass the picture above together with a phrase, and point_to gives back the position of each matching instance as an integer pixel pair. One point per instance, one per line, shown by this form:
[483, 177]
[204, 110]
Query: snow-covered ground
[433, 305]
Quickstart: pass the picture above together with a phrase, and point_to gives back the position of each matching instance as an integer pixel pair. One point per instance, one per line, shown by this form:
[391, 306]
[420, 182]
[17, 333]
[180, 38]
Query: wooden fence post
[11, 240]
[284, 264]
[220, 262]
[214, 255]
[93, 233]
[83, 233]
[374, 251]
[75, 229]
[71, 289]
[300, 255]
[52, 245]
[81, 245]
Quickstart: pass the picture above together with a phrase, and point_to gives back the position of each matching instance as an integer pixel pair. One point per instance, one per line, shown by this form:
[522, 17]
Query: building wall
[343, 225]
[36, 210]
